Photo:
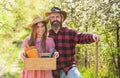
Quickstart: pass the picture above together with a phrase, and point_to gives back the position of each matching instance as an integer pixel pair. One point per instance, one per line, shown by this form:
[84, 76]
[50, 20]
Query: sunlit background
[88, 16]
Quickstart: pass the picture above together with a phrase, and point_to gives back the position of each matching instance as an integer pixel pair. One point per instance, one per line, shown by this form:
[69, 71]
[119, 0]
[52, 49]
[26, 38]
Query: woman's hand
[23, 56]
[56, 54]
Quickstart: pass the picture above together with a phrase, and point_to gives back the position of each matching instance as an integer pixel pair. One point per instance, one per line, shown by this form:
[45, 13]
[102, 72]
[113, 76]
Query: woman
[43, 43]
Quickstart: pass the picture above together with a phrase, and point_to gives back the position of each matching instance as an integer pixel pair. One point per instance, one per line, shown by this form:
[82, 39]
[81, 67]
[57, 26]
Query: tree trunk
[86, 54]
[86, 58]
[118, 50]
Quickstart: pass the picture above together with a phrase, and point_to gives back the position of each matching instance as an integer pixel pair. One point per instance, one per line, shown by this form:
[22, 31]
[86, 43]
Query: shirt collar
[60, 31]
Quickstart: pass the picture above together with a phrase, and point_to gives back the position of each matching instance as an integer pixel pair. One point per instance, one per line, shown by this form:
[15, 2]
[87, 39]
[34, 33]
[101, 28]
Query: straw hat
[37, 19]
[58, 10]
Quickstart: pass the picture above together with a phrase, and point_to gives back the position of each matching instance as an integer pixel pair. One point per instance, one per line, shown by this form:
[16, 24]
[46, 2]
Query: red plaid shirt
[65, 42]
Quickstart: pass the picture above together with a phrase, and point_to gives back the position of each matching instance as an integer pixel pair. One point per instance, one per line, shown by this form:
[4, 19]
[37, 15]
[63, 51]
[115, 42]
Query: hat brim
[61, 12]
[31, 25]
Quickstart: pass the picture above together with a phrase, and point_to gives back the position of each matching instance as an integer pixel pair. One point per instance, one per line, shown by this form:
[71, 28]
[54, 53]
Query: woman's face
[40, 29]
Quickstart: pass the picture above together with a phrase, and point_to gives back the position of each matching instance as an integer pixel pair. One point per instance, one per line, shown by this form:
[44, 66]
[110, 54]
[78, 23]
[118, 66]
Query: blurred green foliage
[88, 16]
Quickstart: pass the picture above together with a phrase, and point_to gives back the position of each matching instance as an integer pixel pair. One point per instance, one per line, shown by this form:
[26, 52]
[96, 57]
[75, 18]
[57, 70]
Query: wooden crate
[40, 64]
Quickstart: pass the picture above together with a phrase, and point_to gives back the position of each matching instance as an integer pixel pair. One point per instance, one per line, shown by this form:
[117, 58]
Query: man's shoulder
[66, 28]
[69, 29]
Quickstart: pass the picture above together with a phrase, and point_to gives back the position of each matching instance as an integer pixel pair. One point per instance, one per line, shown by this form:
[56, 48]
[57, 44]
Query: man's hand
[96, 38]
[56, 55]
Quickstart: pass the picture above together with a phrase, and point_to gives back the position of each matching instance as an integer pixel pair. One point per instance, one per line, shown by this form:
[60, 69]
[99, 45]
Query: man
[65, 42]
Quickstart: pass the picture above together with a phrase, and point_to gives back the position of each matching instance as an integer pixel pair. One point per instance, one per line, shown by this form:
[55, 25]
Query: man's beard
[56, 25]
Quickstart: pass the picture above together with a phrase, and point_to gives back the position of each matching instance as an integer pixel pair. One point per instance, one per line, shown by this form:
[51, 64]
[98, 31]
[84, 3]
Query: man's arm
[83, 38]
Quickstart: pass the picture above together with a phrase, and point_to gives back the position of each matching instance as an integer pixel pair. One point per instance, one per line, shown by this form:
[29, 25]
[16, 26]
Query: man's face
[56, 21]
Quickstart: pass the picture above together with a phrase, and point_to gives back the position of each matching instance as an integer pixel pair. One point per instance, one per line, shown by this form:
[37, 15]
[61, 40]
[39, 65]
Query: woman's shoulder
[49, 39]
[50, 43]
[25, 41]
[27, 38]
